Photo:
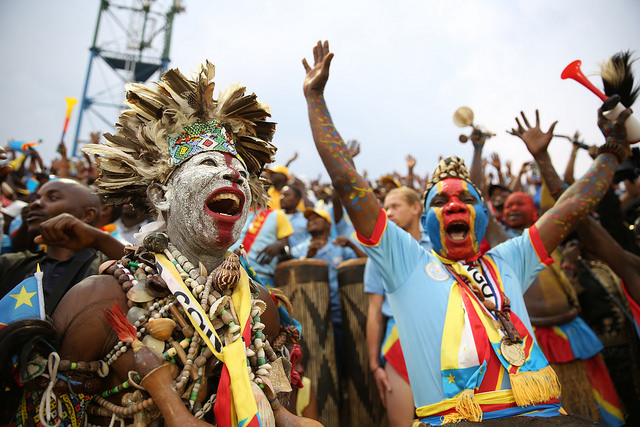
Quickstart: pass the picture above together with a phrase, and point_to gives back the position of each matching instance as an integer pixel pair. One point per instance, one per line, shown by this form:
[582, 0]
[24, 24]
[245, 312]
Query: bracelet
[616, 149]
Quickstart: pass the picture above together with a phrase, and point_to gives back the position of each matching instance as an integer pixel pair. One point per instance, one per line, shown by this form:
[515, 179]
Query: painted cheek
[435, 230]
[480, 223]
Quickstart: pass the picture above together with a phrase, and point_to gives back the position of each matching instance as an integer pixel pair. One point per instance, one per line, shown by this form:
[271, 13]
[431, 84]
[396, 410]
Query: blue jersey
[373, 283]
[418, 285]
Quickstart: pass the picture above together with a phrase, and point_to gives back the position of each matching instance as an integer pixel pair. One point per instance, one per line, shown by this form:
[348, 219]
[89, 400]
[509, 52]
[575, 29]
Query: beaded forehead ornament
[170, 123]
[451, 167]
[201, 137]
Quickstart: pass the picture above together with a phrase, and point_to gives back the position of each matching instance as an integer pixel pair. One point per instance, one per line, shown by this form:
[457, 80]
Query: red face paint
[453, 214]
[519, 210]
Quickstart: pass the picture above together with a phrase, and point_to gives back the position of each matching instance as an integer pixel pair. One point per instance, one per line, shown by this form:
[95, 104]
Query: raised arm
[537, 143]
[476, 171]
[356, 195]
[581, 197]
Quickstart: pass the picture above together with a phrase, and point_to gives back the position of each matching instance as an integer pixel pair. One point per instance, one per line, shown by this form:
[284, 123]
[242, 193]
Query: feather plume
[138, 154]
[617, 78]
[118, 321]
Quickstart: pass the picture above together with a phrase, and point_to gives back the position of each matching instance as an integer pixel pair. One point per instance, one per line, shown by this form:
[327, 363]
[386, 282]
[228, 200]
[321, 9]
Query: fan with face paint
[455, 219]
[519, 210]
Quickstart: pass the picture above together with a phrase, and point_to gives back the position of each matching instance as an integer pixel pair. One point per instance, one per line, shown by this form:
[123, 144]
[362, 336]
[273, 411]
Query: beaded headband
[200, 137]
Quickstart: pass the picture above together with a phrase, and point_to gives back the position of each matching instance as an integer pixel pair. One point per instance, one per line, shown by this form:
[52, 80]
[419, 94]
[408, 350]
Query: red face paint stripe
[378, 231]
[536, 241]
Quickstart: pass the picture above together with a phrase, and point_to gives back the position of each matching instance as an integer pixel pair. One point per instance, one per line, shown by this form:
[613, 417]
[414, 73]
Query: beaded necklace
[150, 300]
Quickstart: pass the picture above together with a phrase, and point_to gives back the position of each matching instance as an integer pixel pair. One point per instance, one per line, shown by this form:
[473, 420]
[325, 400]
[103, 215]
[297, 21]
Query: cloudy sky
[401, 69]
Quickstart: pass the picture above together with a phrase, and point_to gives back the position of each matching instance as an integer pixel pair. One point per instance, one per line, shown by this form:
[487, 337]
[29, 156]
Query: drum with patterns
[364, 405]
[306, 283]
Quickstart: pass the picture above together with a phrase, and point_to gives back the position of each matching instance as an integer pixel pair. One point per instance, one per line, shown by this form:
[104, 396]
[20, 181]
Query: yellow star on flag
[451, 378]
[23, 297]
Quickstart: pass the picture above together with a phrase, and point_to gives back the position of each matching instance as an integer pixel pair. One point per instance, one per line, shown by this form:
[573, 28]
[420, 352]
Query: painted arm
[583, 196]
[355, 193]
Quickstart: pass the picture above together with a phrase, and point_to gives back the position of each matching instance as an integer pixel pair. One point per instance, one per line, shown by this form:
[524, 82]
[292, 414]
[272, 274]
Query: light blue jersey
[418, 285]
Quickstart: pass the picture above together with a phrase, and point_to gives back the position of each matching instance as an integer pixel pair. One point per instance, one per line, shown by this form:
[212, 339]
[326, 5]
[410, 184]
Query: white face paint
[207, 201]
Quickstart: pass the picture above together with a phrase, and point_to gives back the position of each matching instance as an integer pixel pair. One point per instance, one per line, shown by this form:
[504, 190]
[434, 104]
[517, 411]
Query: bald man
[62, 217]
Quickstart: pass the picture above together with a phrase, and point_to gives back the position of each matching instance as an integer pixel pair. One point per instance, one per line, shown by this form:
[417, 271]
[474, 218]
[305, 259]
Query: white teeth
[227, 196]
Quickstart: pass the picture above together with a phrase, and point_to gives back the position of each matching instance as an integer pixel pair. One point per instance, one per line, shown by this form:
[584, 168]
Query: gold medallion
[512, 352]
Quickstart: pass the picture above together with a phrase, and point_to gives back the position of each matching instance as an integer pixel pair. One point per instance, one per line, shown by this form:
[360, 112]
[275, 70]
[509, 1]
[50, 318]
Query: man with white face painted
[205, 204]
[461, 318]
[196, 162]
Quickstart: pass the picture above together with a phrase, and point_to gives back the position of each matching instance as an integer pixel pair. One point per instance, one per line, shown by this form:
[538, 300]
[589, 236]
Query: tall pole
[84, 103]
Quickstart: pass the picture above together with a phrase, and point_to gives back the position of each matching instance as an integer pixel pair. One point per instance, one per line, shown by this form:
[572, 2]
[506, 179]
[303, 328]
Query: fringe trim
[467, 408]
[534, 387]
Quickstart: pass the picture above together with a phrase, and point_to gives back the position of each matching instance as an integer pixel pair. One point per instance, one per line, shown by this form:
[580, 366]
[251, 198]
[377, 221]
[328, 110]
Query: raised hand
[536, 141]
[478, 138]
[353, 147]
[495, 161]
[317, 76]
[411, 161]
[67, 231]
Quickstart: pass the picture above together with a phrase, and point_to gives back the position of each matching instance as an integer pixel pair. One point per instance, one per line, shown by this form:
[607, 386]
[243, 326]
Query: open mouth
[225, 204]
[457, 231]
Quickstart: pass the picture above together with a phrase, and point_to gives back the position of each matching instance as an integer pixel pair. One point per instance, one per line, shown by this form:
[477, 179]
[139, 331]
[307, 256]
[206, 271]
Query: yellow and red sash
[254, 229]
[471, 359]
[235, 404]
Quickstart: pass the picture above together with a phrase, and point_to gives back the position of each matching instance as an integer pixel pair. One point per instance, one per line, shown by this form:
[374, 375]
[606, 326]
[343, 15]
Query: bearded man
[466, 336]
[195, 162]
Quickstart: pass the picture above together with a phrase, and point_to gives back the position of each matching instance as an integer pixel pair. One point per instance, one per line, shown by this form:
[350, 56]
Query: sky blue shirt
[273, 229]
[418, 286]
[373, 283]
[299, 225]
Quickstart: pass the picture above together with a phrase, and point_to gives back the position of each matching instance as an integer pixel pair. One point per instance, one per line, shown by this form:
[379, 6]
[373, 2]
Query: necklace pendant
[512, 352]
[509, 329]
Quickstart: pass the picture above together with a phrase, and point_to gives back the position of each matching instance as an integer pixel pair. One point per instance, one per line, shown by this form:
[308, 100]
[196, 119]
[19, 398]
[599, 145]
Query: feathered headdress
[617, 78]
[179, 118]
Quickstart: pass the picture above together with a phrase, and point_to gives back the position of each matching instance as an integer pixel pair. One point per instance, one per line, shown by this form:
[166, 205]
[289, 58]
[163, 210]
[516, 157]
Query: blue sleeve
[519, 255]
[396, 254]
[372, 280]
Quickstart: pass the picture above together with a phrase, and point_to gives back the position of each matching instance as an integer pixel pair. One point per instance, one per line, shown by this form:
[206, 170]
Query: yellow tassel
[451, 418]
[466, 409]
[535, 387]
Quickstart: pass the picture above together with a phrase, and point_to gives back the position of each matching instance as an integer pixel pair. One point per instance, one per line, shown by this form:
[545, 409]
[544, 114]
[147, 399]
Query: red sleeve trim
[378, 231]
[536, 241]
[635, 308]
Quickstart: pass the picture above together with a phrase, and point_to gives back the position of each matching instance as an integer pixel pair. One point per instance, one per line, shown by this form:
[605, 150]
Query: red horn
[572, 71]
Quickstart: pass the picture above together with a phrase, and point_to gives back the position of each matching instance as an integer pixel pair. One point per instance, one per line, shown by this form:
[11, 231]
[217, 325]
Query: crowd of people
[490, 294]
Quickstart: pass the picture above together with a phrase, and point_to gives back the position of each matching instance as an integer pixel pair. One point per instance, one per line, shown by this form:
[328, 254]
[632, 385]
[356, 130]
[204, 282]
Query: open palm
[317, 75]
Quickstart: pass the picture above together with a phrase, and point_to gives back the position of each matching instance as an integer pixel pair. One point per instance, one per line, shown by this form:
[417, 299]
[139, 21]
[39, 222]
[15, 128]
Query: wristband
[616, 149]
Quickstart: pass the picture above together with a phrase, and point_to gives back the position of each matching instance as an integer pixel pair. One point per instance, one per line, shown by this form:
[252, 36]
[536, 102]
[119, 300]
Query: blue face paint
[456, 208]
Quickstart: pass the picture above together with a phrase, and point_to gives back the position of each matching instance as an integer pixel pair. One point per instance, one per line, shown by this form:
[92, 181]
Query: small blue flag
[25, 301]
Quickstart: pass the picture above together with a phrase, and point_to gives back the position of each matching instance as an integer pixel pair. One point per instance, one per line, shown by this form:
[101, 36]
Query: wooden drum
[364, 404]
[306, 283]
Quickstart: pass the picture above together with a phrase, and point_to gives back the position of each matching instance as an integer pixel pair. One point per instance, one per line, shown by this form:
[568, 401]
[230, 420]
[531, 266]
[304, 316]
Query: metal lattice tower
[130, 44]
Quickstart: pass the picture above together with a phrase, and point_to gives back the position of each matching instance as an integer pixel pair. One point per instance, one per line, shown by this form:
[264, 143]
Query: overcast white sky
[401, 69]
